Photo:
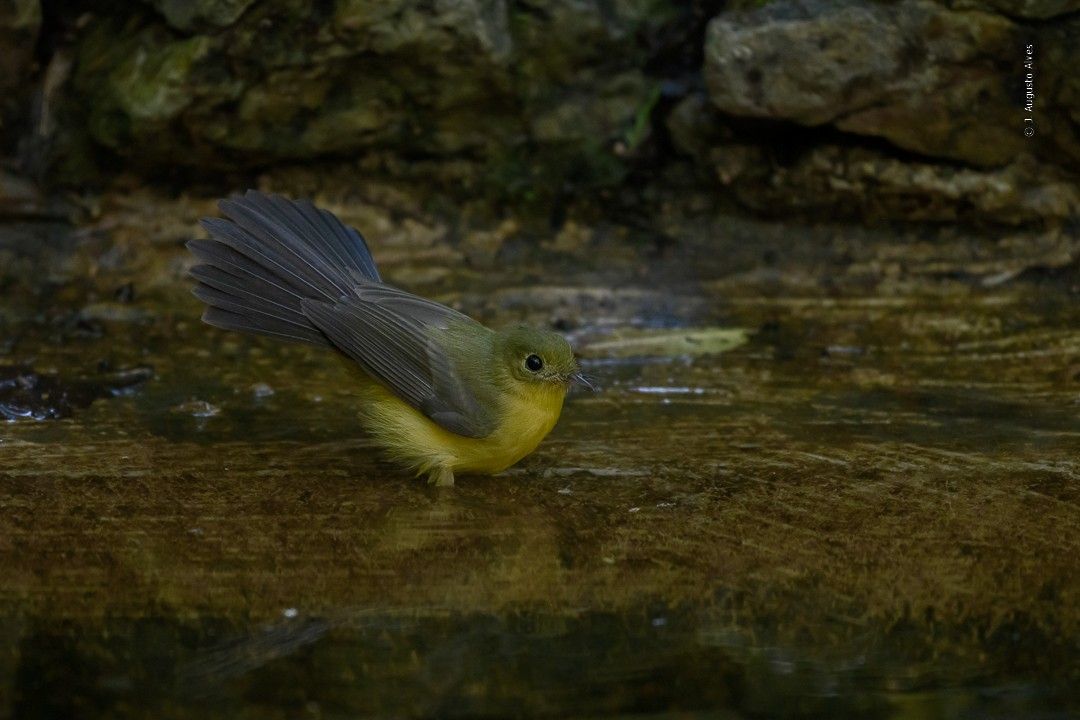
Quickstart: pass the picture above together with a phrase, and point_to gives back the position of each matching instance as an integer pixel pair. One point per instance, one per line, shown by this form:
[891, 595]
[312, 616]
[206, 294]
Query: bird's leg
[441, 476]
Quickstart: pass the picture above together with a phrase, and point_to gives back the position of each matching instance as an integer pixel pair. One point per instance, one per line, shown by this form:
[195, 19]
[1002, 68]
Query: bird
[438, 392]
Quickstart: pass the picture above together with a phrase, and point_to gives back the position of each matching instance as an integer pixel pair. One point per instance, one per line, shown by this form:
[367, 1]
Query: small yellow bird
[439, 392]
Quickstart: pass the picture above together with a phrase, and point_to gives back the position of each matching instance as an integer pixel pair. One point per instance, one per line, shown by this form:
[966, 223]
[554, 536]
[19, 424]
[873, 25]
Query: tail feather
[223, 264]
[253, 239]
[232, 297]
[341, 246]
[270, 255]
[225, 313]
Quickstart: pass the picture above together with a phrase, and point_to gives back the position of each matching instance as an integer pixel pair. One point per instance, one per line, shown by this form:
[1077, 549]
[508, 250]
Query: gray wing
[398, 338]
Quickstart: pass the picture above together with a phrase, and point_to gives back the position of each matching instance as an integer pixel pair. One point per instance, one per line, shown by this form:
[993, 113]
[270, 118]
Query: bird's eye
[533, 363]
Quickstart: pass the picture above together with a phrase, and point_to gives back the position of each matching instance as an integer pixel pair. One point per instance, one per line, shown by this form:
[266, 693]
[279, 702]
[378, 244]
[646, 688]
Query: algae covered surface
[821, 475]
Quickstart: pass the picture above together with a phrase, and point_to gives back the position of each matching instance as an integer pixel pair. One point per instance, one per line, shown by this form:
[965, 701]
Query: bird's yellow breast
[528, 414]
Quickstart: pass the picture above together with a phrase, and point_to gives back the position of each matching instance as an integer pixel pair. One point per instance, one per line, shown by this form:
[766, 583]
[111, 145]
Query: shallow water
[869, 509]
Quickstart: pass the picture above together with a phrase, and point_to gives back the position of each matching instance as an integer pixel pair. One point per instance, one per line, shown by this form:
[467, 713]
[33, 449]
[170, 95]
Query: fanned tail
[270, 255]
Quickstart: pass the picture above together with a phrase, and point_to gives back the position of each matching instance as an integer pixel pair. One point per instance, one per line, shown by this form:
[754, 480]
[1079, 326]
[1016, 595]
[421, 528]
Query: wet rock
[925, 78]
[148, 85]
[863, 184]
[28, 394]
[534, 107]
[488, 84]
[786, 145]
[818, 175]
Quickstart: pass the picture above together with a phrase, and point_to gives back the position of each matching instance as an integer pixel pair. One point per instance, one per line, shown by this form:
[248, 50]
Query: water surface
[869, 509]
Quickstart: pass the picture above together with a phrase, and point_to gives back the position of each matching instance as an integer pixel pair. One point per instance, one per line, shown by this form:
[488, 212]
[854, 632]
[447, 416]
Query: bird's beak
[579, 381]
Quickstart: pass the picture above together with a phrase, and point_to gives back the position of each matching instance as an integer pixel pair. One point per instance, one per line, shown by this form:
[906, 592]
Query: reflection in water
[649, 659]
[244, 655]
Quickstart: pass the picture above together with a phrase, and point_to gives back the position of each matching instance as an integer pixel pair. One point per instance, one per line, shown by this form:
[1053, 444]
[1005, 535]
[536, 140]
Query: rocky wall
[912, 111]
